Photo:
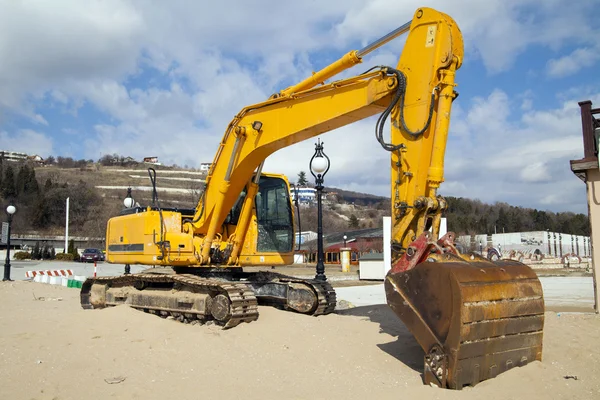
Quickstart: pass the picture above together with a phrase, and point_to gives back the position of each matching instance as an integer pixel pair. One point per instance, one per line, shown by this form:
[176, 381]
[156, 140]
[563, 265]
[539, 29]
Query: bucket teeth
[477, 319]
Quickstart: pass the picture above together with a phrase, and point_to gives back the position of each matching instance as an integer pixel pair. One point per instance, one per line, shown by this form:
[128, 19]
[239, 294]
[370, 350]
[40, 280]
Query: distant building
[332, 196]
[306, 236]
[129, 160]
[305, 195]
[151, 160]
[12, 155]
[360, 241]
[550, 244]
[35, 158]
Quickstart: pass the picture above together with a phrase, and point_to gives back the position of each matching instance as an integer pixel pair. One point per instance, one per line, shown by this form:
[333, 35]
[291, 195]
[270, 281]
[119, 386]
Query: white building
[305, 195]
[548, 243]
[306, 236]
[13, 155]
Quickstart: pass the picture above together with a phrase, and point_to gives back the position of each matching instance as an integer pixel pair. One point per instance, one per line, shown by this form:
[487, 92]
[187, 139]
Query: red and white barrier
[56, 272]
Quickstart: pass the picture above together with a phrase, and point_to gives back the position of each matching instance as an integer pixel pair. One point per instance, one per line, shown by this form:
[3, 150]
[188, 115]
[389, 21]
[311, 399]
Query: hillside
[97, 191]
[177, 187]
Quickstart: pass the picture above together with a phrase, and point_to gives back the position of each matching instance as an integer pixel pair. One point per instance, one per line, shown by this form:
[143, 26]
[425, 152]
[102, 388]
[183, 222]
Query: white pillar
[67, 229]
[443, 227]
[387, 244]
[593, 193]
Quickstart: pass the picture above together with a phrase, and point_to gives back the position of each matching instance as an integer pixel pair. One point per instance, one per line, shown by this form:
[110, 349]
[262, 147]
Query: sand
[52, 349]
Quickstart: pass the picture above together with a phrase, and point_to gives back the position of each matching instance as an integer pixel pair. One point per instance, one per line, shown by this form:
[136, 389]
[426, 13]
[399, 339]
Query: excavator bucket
[473, 318]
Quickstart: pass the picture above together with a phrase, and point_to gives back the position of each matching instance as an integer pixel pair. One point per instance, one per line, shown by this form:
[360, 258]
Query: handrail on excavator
[348, 60]
[384, 39]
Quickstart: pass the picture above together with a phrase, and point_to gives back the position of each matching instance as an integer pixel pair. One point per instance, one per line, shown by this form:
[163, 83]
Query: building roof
[336, 239]
[371, 257]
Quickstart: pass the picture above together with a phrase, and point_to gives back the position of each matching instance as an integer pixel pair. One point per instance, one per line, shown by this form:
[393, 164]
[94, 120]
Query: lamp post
[319, 165]
[345, 237]
[128, 202]
[10, 210]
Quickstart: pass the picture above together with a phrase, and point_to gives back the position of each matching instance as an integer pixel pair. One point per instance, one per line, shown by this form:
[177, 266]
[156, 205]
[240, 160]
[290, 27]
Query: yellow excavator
[474, 318]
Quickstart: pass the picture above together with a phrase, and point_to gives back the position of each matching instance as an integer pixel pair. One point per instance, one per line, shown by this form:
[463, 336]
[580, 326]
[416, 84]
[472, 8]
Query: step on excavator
[474, 318]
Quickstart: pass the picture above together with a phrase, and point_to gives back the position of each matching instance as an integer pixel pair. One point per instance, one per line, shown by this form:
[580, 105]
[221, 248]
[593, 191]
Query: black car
[91, 255]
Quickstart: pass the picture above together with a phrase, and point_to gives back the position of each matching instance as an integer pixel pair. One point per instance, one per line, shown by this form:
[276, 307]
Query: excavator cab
[273, 215]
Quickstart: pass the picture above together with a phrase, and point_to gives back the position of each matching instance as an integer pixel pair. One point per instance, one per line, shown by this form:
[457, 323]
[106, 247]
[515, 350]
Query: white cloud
[78, 44]
[535, 172]
[521, 161]
[571, 63]
[27, 141]
[43, 45]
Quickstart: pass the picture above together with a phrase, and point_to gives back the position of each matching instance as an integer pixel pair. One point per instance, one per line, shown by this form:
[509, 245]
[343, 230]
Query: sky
[83, 79]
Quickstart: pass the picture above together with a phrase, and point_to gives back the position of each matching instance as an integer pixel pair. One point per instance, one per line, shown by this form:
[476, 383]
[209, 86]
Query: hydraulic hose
[398, 100]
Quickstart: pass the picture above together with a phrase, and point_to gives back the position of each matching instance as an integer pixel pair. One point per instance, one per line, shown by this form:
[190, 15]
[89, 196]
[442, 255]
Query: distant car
[91, 255]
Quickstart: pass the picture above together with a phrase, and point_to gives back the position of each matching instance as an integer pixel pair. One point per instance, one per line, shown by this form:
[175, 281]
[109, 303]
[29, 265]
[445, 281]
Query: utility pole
[67, 229]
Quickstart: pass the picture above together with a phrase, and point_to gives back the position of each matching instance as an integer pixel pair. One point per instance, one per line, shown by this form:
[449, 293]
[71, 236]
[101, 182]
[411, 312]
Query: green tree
[502, 224]
[73, 250]
[302, 179]
[353, 222]
[22, 177]
[48, 185]
[45, 252]
[32, 186]
[40, 217]
[35, 253]
[8, 183]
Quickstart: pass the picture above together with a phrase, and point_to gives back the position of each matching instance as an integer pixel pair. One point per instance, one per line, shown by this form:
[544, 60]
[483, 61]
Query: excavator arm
[416, 95]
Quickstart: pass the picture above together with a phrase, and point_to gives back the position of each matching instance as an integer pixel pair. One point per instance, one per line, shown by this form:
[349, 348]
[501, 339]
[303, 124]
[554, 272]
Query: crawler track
[185, 297]
[228, 299]
[326, 297]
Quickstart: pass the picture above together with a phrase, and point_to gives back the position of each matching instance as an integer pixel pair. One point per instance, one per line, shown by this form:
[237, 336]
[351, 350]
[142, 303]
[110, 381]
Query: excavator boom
[472, 317]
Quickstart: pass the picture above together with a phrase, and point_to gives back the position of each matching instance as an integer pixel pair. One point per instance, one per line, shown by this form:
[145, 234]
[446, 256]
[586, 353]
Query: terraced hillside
[174, 186]
[182, 188]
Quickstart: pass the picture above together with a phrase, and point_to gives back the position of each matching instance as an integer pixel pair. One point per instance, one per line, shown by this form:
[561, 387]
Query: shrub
[45, 252]
[64, 257]
[36, 254]
[22, 255]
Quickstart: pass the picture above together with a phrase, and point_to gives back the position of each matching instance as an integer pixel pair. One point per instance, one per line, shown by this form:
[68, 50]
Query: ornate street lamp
[345, 237]
[128, 202]
[10, 210]
[319, 165]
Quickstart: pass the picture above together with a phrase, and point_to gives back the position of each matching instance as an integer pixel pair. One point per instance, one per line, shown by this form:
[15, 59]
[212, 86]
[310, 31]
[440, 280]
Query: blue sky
[83, 79]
